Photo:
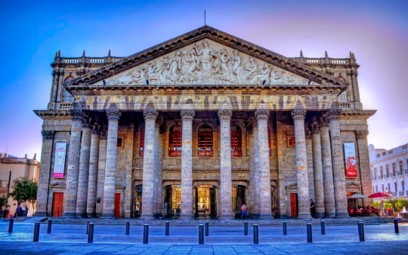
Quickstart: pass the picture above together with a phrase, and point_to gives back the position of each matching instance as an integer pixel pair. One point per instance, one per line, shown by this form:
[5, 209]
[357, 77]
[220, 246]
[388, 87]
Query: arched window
[236, 142]
[67, 97]
[175, 139]
[205, 141]
[141, 143]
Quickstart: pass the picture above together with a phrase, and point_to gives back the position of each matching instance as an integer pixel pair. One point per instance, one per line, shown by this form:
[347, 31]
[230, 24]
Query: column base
[147, 217]
[342, 215]
[69, 215]
[81, 215]
[107, 216]
[40, 214]
[186, 217]
[320, 215]
[330, 215]
[90, 215]
[304, 216]
[226, 217]
[265, 216]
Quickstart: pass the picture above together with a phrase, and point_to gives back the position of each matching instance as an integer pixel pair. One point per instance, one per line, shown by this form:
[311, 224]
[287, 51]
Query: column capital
[225, 114]
[47, 134]
[262, 114]
[361, 134]
[298, 112]
[187, 114]
[95, 128]
[150, 113]
[113, 112]
[334, 112]
[314, 126]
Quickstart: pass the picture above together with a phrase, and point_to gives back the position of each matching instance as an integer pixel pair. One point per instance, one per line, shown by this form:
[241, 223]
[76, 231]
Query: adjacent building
[12, 168]
[199, 124]
[389, 170]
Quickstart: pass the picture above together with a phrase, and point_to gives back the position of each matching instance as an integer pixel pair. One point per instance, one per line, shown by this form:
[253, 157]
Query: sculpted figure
[224, 65]
[236, 62]
[174, 65]
[263, 76]
[138, 75]
[250, 69]
[154, 72]
[192, 61]
[206, 54]
[275, 74]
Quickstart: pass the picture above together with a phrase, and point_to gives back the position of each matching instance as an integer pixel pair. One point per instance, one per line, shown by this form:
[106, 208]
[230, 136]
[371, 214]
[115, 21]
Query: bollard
[11, 223]
[87, 226]
[200, 233]
[207, 228]
[127, 228]
[285, 228]
[361, 231]
[245, 228]
[167, 232]
[323, 227]
[36, 235]
[90, 232]
[309, 232]
[145, 233]
[49, 226]
[396, 227]
[256, 234]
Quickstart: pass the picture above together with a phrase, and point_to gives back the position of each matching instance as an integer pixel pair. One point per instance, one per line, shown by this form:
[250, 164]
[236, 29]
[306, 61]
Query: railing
[65, 106]
[71, 60]
[344, 105]
[97, 60]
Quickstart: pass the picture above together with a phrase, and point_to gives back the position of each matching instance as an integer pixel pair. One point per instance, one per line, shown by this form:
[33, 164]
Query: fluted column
[318, 170]
[225, 164]
[113, 115]
[329, 205]
[93, 173]
[45, 171]
[70, 196]
[265, 211]
[187, 165]
[83, 170]
[298, 115]
[338, 164]
[150, 115]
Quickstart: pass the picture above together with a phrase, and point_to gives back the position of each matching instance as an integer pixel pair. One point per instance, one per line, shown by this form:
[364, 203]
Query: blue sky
[32, 31]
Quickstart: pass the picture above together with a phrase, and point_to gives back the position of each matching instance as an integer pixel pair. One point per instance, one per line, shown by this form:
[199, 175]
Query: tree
[24, 190]
[3, 202]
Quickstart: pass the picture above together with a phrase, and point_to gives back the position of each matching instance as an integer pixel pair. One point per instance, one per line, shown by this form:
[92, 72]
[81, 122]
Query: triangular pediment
[206, 56]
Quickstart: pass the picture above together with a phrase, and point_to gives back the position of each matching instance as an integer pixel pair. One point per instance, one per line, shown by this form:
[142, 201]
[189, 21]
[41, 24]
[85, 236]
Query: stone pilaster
[225, 164]
[364, 162]
[113, 116]
[187, 165]
[150, 115]
[329, 205]
[70, 196]
[265, 212]
[101, 173]
[318, 170]
[338, 164]
[254, 191]
[45, 172]
[309, 156]
[83, 170]
[298, 115]
[93, 173]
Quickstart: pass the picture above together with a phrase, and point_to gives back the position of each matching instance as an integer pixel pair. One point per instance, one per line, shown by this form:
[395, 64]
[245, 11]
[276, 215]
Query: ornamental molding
[298, 113]
[113, 112]
[262, 114]
[224, 114]
[150, 113]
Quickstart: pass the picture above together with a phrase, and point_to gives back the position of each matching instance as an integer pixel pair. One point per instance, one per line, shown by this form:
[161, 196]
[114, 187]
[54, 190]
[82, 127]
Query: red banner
[351, 160]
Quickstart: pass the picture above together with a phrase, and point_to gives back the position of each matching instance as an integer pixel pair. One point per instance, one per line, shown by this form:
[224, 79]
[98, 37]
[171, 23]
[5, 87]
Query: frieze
[206, 62]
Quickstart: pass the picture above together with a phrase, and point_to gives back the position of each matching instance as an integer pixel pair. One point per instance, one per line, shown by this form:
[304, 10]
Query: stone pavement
[111, 239]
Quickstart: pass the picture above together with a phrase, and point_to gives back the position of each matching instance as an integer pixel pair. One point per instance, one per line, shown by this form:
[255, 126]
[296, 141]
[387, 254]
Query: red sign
[351, 160]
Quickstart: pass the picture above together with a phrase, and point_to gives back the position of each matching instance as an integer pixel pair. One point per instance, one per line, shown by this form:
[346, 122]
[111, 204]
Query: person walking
[312, 208]
[243, 211]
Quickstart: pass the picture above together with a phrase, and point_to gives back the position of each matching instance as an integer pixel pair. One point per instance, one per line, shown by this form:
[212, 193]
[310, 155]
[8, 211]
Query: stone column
[101, 173]
[298, 115]
[309, 156]
[254, 175]
[364, 163]
[47, 153]
[93, 173]
[187, 165]
[150, 115]
[70, 196]
[329, 206]
[113, 115]
[225, 164]
[318, 170]
[338, 165]
[265, 211]
[83, 170]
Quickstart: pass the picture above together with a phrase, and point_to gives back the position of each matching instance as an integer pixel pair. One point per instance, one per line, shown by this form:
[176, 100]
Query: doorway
[293, 205]
[205, 197]
[57, 204]
[172, 201]
[238, 198]
[137, 202]
[116, 208]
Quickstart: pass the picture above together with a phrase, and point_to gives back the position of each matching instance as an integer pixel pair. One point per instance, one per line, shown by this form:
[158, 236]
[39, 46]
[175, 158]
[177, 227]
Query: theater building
[196, 126]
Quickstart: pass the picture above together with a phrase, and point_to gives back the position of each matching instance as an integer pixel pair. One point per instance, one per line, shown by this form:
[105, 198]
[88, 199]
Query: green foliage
[377, 204]
[387, 205]
[400, 204]
[24, 190]
[3, 202]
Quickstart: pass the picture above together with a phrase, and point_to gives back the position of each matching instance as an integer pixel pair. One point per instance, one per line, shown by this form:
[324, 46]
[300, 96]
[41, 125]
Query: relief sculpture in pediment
[206, 62]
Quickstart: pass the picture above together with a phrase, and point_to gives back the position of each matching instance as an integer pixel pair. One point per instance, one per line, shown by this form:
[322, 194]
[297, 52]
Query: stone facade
[199, 125]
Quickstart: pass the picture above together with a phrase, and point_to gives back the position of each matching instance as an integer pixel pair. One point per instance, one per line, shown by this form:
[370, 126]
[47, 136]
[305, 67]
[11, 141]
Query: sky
[31, 32]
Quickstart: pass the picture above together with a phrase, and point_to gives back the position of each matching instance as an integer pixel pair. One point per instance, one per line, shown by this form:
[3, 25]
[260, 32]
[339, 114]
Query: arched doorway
[205, 197]
[172, 201]
[137, 201]
[238, 198]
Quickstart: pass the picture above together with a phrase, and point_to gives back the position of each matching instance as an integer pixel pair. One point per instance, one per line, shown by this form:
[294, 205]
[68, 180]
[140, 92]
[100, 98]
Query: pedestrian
[382, 208]
[243, 211]
[312, 208]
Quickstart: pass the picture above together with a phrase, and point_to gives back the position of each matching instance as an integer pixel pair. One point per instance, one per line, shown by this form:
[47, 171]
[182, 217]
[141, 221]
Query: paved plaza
[111, 239]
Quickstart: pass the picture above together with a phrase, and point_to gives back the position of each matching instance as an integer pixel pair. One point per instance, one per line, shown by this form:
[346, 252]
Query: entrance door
[116, 209]
[138, 201]
[213, 200]
[57, 204]
[168, 212]
[238, 198]
[293, 205]
[205, 201]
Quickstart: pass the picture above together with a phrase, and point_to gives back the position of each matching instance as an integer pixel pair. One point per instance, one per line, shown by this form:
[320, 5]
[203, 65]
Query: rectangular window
[120, 142]
[236, 144]
[141, 142]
